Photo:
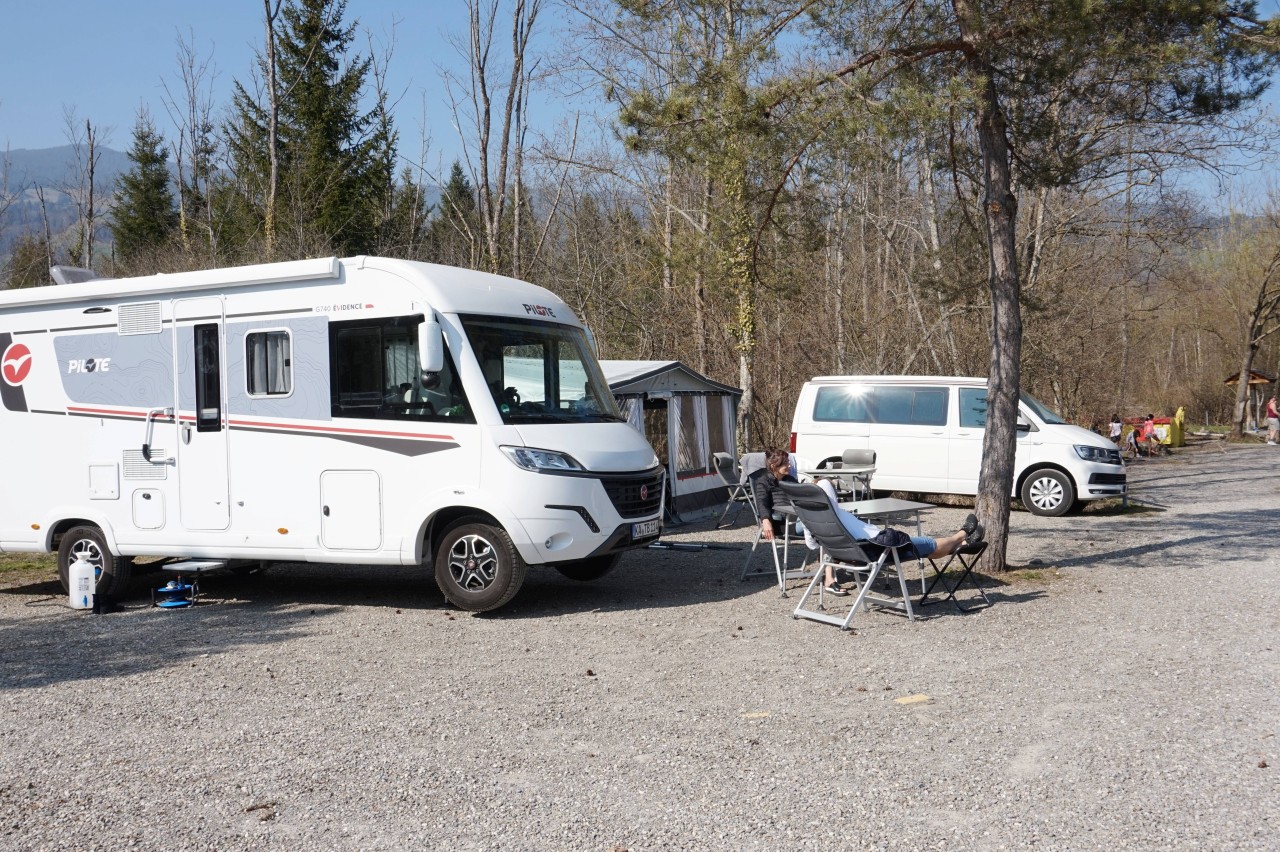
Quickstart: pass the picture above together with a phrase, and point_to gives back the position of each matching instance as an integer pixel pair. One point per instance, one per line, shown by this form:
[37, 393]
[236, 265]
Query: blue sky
[106, 59]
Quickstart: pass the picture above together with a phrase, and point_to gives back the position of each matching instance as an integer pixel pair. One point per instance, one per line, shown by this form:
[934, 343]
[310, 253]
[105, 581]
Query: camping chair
[842, 551]
[860, 458]
[784, 532]
[739, 494]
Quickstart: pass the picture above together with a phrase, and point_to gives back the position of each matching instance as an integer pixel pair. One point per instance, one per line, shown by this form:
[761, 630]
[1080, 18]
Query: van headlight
[530, 458]
[1093, 454]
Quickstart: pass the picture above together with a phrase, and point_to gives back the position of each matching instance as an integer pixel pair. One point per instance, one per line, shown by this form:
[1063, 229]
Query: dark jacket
[764, 485]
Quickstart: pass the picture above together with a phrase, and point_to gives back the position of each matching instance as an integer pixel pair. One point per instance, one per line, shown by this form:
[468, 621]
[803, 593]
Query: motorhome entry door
[199, 367]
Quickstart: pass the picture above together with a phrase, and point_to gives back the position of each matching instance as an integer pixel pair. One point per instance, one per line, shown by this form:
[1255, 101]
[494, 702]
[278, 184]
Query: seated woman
[770, 499]
[923, 546]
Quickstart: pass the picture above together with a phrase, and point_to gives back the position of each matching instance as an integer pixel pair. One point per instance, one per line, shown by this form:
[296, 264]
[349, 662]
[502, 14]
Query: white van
[927, 433]
[360, 410]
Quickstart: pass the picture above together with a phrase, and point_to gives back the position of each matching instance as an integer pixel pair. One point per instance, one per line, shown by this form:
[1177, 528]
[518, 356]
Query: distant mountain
[54, 167]
[51, 170]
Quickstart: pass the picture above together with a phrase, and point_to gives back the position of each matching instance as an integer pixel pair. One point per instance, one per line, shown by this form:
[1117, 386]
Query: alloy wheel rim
[473, 563]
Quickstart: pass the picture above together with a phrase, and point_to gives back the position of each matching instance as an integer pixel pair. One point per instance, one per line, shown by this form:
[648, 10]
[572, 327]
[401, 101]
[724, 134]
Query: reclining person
[922, 546]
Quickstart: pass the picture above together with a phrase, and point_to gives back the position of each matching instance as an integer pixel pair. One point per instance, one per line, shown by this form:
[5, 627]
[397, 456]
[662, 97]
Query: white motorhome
[927, 432]
[361, 411]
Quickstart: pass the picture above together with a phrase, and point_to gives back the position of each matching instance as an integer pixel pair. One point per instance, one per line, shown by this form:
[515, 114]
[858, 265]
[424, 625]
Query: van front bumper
[1105, 485]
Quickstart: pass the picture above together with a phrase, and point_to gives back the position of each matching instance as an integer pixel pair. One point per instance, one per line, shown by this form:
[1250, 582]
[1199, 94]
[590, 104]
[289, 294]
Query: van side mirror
[1024, 425]
[430, 346]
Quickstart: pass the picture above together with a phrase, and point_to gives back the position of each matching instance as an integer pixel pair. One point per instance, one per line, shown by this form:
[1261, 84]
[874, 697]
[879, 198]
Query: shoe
[1271, 443]
[835, 589]
[977, 535]
[970, 524]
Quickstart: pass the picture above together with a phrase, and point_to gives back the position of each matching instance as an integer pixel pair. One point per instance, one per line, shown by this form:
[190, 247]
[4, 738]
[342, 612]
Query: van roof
[898, 380]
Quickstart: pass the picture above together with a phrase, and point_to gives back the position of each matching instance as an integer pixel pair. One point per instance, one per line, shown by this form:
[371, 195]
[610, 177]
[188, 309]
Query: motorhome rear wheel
[113, 571]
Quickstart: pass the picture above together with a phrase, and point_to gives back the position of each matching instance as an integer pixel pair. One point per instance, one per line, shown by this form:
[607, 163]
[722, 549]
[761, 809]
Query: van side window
[373, 373]
[973, 408]
[841, 405]
[907, 406]
[268, 363]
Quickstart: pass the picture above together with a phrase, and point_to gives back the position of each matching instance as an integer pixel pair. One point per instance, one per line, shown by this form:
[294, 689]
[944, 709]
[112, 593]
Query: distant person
[1150, 439]
[1273, 421]
[1117, 429]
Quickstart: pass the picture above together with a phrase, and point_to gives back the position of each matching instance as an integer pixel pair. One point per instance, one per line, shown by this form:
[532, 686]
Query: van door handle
[326, 511]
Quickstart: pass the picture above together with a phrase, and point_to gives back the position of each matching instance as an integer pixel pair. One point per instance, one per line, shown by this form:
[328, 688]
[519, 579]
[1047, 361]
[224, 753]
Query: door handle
[326, 511]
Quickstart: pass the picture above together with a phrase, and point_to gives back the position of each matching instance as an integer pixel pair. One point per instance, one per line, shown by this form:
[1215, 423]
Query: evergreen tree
[334, 160]
[144, 216]
[455, 233]
[28, 263]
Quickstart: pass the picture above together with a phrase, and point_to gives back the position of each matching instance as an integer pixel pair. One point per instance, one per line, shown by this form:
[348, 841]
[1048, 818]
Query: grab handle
[146, 440]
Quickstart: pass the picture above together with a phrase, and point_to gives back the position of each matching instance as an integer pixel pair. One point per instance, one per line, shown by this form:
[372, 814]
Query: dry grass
[27, 567]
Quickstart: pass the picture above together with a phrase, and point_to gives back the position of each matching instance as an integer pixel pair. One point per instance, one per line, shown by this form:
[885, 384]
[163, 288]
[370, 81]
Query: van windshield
[540, 372]
[1046, 414]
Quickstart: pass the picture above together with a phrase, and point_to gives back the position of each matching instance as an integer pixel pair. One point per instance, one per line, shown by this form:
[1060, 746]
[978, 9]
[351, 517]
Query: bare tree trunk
[995, 482]
[273, 127]
[90, 210]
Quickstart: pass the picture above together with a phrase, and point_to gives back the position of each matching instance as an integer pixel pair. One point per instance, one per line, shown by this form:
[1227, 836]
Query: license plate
[645, 529]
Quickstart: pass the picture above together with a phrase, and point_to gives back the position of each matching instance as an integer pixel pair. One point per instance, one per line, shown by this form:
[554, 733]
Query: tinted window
[973, 408]
[208, 380]
[374, 373]
[846, 404]
[906, 406]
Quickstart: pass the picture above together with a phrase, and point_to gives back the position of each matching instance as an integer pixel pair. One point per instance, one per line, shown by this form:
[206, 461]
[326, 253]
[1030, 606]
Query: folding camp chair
[784, 532]
[967, 555]
[861, 486]
[842, 551]
[739, 493]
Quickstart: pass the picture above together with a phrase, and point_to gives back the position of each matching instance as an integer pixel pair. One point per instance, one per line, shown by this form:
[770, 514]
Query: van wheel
[478, 567]
[585, 570]
[113, 572]
[1048, 492]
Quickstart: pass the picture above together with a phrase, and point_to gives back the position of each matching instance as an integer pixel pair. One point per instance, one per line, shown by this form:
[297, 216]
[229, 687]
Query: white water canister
[80, 584]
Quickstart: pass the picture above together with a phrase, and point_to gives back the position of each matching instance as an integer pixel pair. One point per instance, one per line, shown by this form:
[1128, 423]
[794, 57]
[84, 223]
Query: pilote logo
[16, 363]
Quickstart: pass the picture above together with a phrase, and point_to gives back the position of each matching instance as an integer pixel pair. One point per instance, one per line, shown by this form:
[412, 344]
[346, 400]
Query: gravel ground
[1122, 694]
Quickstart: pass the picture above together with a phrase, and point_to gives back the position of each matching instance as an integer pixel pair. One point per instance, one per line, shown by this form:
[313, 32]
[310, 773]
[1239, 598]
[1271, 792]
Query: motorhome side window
[905, 406]
[269, 363]
[208, 379]
[374, 373]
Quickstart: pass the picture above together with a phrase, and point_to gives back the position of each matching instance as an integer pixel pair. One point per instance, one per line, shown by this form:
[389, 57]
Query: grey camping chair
[739, 493]
[841, 550]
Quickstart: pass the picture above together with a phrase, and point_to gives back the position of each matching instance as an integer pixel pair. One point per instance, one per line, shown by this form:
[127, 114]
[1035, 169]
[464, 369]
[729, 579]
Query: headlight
[1096, 454]
[534, 459]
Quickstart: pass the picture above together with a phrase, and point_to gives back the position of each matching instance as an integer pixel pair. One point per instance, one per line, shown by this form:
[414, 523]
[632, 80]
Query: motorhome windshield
[540, 372]
[1046, 414]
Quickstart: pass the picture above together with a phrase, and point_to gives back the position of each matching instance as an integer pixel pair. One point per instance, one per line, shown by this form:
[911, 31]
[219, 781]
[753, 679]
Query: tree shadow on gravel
[58, 645]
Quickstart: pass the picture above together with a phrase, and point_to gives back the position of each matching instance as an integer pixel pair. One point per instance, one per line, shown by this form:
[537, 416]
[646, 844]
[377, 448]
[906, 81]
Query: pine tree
[454, 237]
[144, 217]
[334, 159]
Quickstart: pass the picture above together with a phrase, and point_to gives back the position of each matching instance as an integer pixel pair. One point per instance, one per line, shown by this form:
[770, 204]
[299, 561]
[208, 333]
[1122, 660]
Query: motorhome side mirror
[430, 347]
[430, 381]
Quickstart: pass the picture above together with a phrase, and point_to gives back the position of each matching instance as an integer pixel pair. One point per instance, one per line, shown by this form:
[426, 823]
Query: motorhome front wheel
[113, 572]
[478, 567]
